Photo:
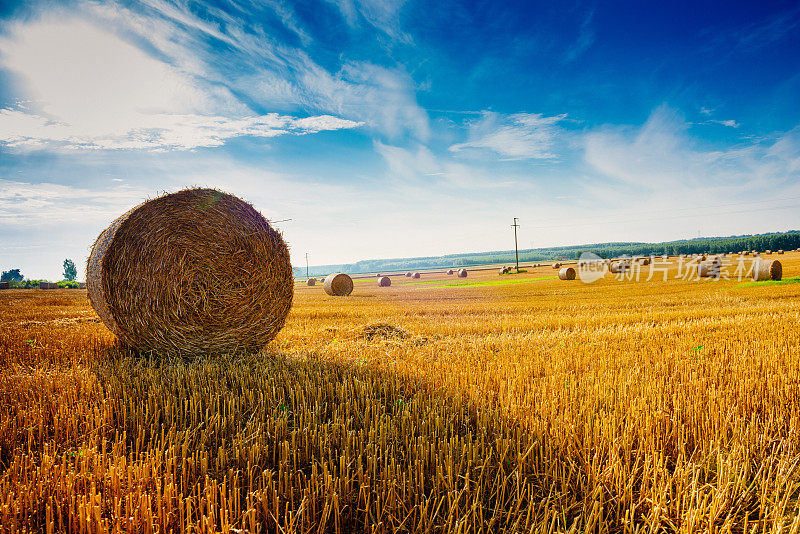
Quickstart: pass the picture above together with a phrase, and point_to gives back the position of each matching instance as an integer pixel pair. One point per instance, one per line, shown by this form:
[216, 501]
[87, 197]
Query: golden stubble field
[537, 406]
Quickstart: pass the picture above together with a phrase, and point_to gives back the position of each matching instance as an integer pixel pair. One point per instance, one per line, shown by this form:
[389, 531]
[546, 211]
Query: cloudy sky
[393, 129]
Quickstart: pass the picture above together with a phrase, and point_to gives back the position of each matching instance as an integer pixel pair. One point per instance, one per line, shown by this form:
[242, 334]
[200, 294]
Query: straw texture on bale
[566, 273]
[191, 273]
[709, 269]
[384, 281]
[617, 267]
[311, 282]
[767, 270]
[338, 285]
[415, 275]
[462, 273]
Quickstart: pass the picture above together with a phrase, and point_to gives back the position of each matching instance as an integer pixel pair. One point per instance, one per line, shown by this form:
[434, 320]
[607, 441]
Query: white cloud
[729, 123]
[95, 90]
[518, 136]
[383, 15]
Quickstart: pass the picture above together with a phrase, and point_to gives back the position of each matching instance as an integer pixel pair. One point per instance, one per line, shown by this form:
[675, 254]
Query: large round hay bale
[566, 273]
[311, 282]
[709, 269]
[767, 270]
[449, 271]
[617, 267]
[384, 281]
[189, 273]
[415, 275]
[338, 285]
[462, 273]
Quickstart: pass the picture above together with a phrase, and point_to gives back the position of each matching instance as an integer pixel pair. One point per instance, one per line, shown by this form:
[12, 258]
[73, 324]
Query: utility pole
[306, 264]
[516, 250]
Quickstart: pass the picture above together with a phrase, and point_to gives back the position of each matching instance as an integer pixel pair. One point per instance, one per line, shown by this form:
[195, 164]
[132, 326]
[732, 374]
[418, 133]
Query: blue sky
[389, 129]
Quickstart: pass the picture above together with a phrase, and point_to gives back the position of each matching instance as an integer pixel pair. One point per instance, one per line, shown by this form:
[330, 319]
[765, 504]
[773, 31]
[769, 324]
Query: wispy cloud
[584, 40]
[95, 90]
[518, 136]
[383, 15]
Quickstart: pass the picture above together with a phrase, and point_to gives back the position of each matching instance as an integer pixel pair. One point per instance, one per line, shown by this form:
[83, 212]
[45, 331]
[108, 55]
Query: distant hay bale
[379, 275]
[190, 273]
[384, 281]
[709, 269]
[462, 273]
[408, 274]
[5, 285]
[780, 252]
[449, 271]
[311, 282]
[618, 267]
[556, 265]
[767, 270]
[644, 261]
[338, 285]
[503, 271]
[566, 273]
[746, 253]
[703, 257]
[415, 275]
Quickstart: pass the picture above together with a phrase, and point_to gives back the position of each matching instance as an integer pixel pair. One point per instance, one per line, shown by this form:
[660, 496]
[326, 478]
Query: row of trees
[17, 279]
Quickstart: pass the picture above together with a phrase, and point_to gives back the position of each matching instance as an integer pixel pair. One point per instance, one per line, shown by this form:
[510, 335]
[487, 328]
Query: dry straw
[566, 273]
[767, 270]
[709, 268]
[462, 273]
[384, 281]
[338, 285]
[190, 273]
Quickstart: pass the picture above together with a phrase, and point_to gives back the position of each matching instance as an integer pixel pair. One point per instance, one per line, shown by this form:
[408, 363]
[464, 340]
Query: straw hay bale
[566, 273]
[644, 261]
[449, 271]
[746, 253]
[462, 273]
[780, 252]
[767, 270]
[190, 273]
[311, 282]
[408, 274]
[556, 265]
[379, 275]
[503, 271]
[709, 268]
[384, 281]
[338, 285]
[618, 267]
[415, 275]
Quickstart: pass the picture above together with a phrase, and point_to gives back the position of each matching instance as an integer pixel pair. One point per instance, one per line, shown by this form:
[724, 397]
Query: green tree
[11, 276]
[70, 272]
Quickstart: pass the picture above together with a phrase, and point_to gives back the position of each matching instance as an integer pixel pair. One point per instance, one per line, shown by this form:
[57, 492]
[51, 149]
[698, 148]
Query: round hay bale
[768, 251]
[709, 269]
[556, 265]
[644, 261]
[189, 273]
[780, 252]
[503, 271]
[767, 270]
[311, 282]
[462, 273]
[617, 267]
[746, 253]
[379, 275]
[566, 273]
[408, 274]
[384, 281]
[415, 275]
[338, 285]
[449, 271]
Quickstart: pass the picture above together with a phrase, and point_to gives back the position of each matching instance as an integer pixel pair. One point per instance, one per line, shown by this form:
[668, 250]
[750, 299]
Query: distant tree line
[714, 245]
